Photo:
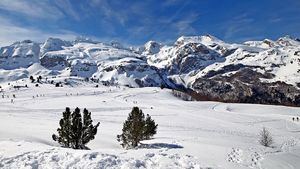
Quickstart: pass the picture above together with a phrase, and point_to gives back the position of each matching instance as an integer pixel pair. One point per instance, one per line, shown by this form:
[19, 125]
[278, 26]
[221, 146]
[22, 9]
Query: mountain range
[204, 67]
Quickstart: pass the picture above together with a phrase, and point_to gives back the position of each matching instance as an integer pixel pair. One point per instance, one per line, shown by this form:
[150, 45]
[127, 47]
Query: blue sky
[134, 22]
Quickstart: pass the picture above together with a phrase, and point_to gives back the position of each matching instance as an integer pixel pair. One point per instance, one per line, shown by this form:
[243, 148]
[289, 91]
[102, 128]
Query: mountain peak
[151, 47]
[204, 39]
[83, 39]
[287, 41]
[53, 44]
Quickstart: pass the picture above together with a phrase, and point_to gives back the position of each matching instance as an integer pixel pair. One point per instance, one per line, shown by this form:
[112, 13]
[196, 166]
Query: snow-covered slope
[53, 44]
[206, 135]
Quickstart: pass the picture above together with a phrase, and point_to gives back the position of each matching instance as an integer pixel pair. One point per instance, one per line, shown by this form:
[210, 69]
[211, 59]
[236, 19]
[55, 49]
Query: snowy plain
[190, 134]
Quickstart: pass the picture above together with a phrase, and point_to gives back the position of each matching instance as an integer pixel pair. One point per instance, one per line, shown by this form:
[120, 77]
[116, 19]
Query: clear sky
[136, 21]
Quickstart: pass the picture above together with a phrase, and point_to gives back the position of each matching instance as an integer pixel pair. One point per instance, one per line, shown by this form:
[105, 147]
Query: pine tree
[39, 78]
[75, 132]
[32, 79]
[136, 129]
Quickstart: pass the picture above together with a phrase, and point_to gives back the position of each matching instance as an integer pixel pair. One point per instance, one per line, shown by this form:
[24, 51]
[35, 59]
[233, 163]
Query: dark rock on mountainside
[193, 56]
[245, 86]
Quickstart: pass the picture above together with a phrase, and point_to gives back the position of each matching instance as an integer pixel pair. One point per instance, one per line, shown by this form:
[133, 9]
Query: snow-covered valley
[190, 134]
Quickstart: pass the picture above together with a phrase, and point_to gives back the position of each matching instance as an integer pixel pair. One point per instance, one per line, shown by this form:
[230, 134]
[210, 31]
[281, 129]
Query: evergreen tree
[32, 79]
[39, 79]
[75, 132]
[136, 129]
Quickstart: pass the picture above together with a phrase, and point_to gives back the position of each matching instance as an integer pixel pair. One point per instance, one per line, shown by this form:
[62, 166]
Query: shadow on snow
[160, 145]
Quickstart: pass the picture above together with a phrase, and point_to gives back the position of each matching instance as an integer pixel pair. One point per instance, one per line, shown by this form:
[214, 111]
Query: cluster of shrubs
[38, 79]
[295, 118]
[76, 130]
[58, 84]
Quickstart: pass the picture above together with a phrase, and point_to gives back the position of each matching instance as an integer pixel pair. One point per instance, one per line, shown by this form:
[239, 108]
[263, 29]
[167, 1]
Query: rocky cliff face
[264, 71]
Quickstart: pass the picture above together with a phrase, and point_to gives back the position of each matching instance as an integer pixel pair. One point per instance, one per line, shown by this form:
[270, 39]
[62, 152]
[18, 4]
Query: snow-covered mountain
[257, 71]
[19, 54]
[210, 69]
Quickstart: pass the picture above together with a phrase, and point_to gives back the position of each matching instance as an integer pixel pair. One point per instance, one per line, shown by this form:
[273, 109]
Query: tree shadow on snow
[159, 146]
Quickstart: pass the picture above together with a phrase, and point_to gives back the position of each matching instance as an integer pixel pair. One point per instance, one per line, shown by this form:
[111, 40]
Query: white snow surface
[190, 134]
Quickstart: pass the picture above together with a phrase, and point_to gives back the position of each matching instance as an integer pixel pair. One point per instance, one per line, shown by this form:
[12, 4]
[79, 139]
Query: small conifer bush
[75, 131]
[137, 128]
[265, 138]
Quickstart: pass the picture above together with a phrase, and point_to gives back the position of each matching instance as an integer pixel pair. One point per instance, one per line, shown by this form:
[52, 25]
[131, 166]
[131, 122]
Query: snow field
[190, 134]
